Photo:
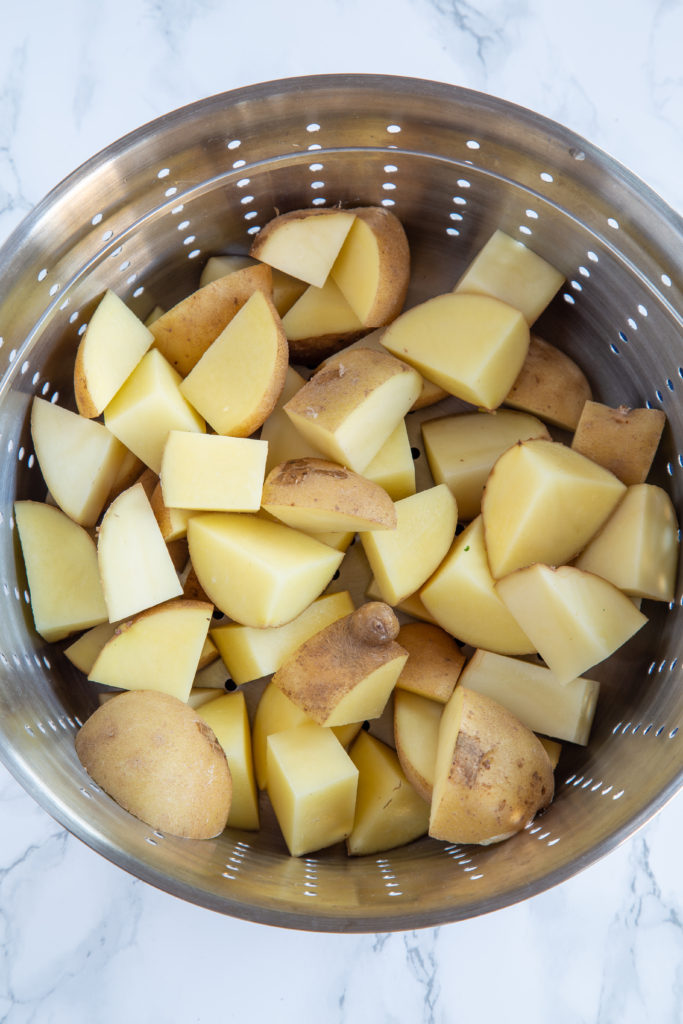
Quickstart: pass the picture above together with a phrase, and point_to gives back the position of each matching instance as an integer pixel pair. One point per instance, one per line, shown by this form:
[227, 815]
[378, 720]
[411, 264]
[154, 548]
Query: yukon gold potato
[319, 323]
[542, 503]
[434, 661]
[550, 385]
[237, 381]
[78, 457]
[185, 332]
[574, 618]
[393, 467]
[346, 672]
[258, 572]
[61, 569]
[250, 653]
[462, 449]
[83, 651]
[350, 409]
[534, 695]
[159, 760]
[473, 346]
[114, 342]
[314, 809]
[416, 734]
[372, 269]
[317, 496]
[159, 649]
[462, 598]
[389, 812]
[227, 717]
[623, 440]
[507, 269]
[210, 472]
[134, 563]
[492, 775]
[403, 559]
[148, 406]
[172, 521]
[637, 548]
[303, 243]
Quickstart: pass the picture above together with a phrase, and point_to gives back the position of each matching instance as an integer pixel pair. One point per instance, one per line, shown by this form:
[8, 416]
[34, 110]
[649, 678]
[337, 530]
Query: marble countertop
[82, 941]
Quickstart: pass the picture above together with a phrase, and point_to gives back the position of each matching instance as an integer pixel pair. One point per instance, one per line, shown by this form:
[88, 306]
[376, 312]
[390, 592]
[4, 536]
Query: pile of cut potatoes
[232, 455]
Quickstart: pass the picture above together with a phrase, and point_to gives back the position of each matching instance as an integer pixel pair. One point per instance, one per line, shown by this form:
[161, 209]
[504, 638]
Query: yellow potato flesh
[534, 695]
[434, 661]
[368, 697]
[83, 651]
[227, 717]
[148, 406]
[237, 381]
[158, 650]
[393, 467]
[373, 266]
[473, 346]
[403, 559]
[213, 473]
[304, 244]
[275, 712]
[574, 619]
[257, 572]
[61, 568]
[113, 344]
[462, 598]
[284, 440]
[416, 731]
[508, 270]
[319, 312]
[314, 809]
[637, 548]
[461, 450]
[542, 503]
[389, 812]
[250, 653]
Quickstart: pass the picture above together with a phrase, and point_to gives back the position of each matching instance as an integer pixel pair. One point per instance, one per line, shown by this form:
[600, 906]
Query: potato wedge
[320, 323]
[550, 385]
[416, 734]
[623, 440]
[227, 717]
[434, 661]
[303, 243]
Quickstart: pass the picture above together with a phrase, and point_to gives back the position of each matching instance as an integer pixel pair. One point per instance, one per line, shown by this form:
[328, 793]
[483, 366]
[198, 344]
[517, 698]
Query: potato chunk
[416, 734]
[542, 503]
[227, 717]
[473, 346]
[434, 661]
[623, 440]
[319, 323]
[159, 760]
[211, 472]
[550, 385]
[303, 243]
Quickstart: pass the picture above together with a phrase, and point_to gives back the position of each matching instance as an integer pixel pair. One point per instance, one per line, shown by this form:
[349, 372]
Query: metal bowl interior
[141, 218]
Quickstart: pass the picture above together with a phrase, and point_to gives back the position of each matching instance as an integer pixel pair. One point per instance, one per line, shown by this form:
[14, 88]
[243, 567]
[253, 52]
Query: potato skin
[158, 759]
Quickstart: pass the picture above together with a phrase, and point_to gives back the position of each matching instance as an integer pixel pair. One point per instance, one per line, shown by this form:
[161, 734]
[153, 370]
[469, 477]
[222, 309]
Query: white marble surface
[81, 940]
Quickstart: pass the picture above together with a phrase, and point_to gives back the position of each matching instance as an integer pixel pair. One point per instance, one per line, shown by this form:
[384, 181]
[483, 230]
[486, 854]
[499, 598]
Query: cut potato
[349, 410]
[314, 810]
[372, 269]
[61, 569]
[79, 459]
[345, 672]
[209, 472]
[403, 559]
[462, 449]
[134, 563]
[411, 605]
[148, 406]
[623, 440]
[220, 266]
[320, 323]
[534, 695]
[393, 467]
[473, 346]
[286, 289]
[574, 618]
[316, 496]
[492, 774]
[185, 332]
[237, 381]
[250, 653]
[389, 812]
[284, 440]
[113, 344]
[416, 734]
[130, 471]
[83, 652]
[303, 243]
[275, 712]
[462, 598]
[550, 385]
[227, 717]
[158, 759]
[172, 521]
[542, 503]
[434, 661]
[637, 548]
[159, 649]
[257, 572]
[507, 269]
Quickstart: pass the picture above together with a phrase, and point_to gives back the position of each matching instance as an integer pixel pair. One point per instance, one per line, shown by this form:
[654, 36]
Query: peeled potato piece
[157, 758]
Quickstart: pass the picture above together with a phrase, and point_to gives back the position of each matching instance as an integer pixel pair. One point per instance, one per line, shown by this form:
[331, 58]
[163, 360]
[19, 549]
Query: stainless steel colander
[141, 218]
